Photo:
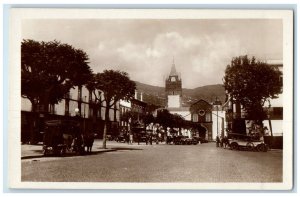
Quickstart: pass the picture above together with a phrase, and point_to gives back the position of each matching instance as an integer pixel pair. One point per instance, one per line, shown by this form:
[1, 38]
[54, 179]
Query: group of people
[148, 138]
[128, 138]
[222, 142]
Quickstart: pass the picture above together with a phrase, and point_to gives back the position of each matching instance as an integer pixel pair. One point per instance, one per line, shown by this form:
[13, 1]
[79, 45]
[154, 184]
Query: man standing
[150, 138]
[131, 138]
[217, 141]
[138, 138]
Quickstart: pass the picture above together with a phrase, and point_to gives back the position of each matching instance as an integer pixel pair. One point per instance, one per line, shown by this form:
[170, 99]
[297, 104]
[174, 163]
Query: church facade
[193, 113]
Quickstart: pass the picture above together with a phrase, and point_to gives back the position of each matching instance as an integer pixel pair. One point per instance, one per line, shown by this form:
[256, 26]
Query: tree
[148, 118]
[115, 85]
[164, 118]
[178, 121]
[49, 70]
[252, 83]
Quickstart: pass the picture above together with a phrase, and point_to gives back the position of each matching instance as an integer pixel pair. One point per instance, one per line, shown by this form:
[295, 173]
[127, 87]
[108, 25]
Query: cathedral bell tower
[173, 89]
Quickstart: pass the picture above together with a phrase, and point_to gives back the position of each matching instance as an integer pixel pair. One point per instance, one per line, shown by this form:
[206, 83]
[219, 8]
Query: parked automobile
[189, 141]
[245, 142]
[109, 137]
[121, 138]
[143, 137]
[184, 140]
[201, 140]
[178, 140]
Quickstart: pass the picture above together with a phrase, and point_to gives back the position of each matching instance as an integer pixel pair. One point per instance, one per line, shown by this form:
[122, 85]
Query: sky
[145, 48]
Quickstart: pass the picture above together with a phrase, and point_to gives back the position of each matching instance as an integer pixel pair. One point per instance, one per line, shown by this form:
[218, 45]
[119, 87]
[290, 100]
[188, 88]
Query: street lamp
[76, 112]
[84, 114]
[269, 117]
[84, 106]
[217, 103]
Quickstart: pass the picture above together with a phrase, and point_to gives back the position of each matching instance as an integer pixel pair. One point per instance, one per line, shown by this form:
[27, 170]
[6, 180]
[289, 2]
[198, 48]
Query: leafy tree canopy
[50, 69]
[166, 119]
[115, 85]
[252, 83]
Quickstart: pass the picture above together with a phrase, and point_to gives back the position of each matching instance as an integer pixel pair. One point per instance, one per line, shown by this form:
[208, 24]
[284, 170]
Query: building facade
[201, 113]
[91, 110]
[132, 112]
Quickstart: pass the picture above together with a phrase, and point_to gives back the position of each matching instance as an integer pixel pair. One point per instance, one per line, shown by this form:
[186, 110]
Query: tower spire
[173, 69]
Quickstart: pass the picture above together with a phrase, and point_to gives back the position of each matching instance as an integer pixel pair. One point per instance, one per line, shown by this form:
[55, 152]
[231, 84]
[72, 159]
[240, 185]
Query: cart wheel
[250, 146]
[62, 152]
[45, 152]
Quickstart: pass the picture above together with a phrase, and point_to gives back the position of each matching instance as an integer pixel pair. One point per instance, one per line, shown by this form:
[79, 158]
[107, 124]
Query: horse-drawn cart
[62, 136]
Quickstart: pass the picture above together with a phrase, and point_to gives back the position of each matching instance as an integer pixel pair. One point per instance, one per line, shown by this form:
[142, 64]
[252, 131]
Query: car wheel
[250, 146]
[261, 148]
[234, 146]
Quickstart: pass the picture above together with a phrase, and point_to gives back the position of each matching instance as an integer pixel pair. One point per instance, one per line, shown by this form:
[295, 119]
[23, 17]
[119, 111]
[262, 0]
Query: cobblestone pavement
[158, 163]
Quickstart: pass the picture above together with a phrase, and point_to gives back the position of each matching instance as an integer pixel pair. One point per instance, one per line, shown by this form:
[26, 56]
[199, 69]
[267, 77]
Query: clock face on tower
[201, 112]
[173, 89]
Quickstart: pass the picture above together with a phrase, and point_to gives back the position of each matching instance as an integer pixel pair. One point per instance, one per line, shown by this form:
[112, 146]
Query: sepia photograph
[151, 99]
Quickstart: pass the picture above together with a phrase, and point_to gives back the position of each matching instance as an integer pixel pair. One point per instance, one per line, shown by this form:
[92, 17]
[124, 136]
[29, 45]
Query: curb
[69, 155]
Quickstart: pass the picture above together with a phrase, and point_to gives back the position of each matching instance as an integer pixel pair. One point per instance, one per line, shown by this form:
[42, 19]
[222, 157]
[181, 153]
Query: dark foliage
[252, 83]
[50, 69]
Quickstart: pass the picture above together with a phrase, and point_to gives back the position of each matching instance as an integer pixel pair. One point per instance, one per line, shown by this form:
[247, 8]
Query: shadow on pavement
[122, 148]
[39, 153]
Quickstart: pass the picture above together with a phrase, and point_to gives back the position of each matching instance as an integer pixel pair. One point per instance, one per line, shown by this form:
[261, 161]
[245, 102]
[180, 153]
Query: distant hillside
[156, 95]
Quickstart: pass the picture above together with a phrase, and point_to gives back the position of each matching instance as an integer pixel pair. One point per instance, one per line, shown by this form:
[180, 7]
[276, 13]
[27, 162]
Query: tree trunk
[45, 101]
[271, 130]
[33, 123]
[106, 124]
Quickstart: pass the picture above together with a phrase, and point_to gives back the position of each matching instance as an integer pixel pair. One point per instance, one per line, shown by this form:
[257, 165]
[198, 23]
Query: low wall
[275, 142]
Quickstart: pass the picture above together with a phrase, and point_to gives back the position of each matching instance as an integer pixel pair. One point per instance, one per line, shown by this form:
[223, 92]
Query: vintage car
[184, 140]
[201, 140]
[121, 138]
[245, 142]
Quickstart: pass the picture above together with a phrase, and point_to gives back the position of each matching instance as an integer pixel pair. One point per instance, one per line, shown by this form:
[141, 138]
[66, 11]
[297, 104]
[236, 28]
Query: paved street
[158, 163]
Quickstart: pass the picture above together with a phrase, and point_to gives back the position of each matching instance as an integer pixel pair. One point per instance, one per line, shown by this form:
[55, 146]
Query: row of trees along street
[251, 83]
[50, 69]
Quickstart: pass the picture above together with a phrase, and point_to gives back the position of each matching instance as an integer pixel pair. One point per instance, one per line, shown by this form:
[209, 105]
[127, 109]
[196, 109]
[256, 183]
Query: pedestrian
[217, 141]
[226, 142]
[131, 138]
[221, 142]
[138, 138]
[127, 138]
[150, 138]
[147, 139]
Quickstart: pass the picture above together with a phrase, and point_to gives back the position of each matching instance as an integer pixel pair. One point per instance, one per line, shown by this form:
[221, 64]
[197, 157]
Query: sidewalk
[35, 151]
